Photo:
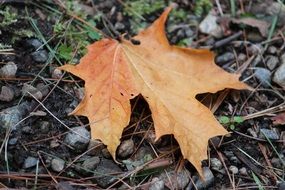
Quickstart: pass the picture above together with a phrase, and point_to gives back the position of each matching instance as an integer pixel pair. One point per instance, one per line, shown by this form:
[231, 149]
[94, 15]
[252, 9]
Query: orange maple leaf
[168, 77]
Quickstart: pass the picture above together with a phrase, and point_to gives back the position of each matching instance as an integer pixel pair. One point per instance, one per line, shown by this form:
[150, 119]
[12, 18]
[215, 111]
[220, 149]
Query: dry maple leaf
[168, 77]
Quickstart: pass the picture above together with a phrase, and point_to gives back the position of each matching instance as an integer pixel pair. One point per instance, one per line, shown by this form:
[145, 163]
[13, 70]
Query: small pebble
[281, 186]
[44, 89]
[78, 138]
[208, 179]
[91, 163]
[9, 70]
[279, 75]
[270, 134]
[44, 126]
[27, 130]
[6, 94]
[33, 43]
[271, 62]
[96, 147]
[276, 162]
[126, 148]
[30, 162]
[40, 56]
[233, 169]
[177, 180]
[56, 73]
[106, 153]
[225, 58]
[272, 50]
[242, 57]
[216, 164]
[30, 91]
[263, 75]
[13, 141]
[119, 26]
[243, 171]
[252, 132]
[57, 164]
[209, 26]
[156, 184]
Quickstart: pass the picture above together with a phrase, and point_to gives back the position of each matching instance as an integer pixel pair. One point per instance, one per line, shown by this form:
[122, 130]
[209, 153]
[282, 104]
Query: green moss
[9, 17]
[202, 7]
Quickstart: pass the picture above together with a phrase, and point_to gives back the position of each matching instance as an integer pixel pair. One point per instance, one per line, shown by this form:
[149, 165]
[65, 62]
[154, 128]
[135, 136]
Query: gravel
[263, 76]
[7, 94]
[243, 171]
[33, 43]
[78, 138]
[11, 116]
[216, 164]
[225, 58]
[90, 163]
[106, 173]
[208, 179]
[40, 56]
[30, 162]
[270, 134]
[126, 148]
[233, 169]
[176, 180]
[279, 75]
[156, 184]
[271, 62]
[57, 164]
[30, 91]
[9, 70]
[209, 26]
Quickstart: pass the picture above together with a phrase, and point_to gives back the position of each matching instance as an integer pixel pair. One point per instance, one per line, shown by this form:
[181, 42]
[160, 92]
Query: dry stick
[227, 40]
[46, 168]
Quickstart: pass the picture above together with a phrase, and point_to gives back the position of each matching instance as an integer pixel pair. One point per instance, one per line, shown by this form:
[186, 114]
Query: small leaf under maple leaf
[168, 77]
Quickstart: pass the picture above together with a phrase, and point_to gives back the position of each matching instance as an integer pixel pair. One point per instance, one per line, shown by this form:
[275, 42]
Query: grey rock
[176, 180]
[106, 153]
[276, 162]
[56, 73]
[256, 60]
[44, 89]
[243, 171]
[13, 141]
[11, 116]
[272, 50]
[78, 138]
[229, 153]
[57, 164]
[6, 94]
[252, 132]
[263, 75]
[30, 162]
[281, 186]
[254, 37]
[233, 169]
[91, 163]
[216, 164]
[270, 134]
[119, 26]
[209, 179]
[96, 147]
[106, 173]
[209, 26]
[126, 148]
[40, 56]
[242, 57]
[271, 62]
[279, 75]
[33, 43]
[27, 130]
[156, 184]
[225, 58]
[9, 70]
[44, 126]
[30, 91]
